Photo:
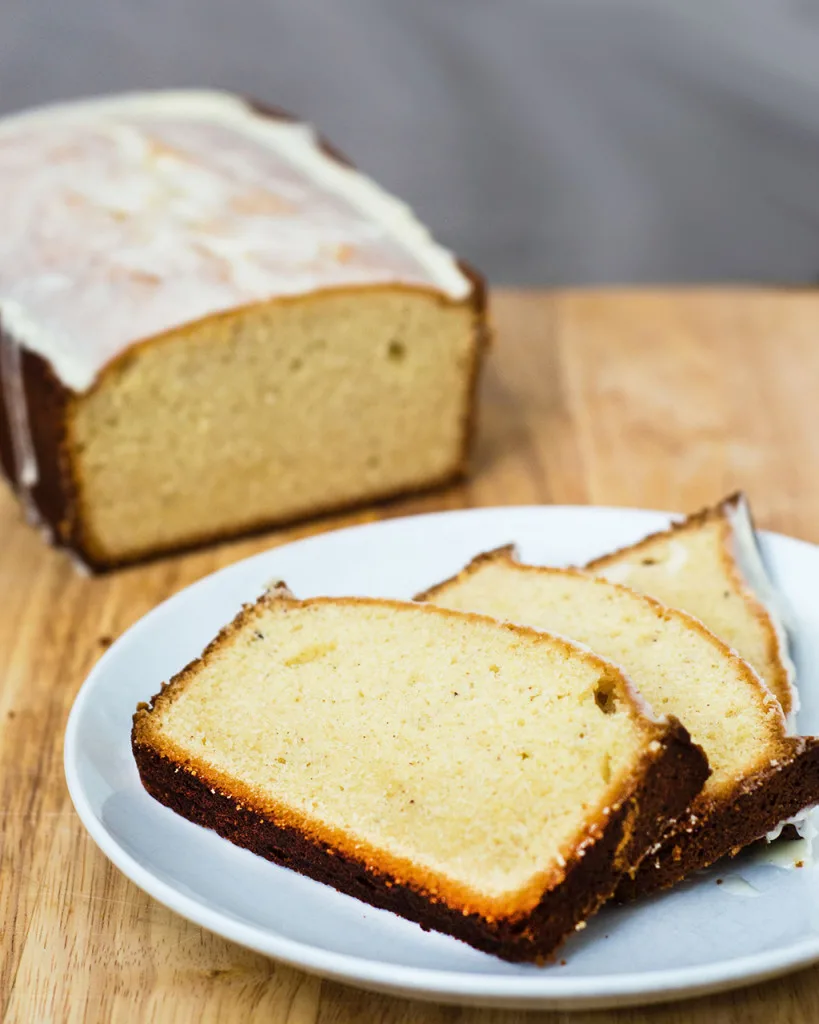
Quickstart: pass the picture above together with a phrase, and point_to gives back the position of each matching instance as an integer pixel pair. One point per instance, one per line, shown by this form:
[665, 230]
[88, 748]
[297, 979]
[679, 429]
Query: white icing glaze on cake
[678, 556]
[125, 217]
[26, 473]
[749, 560]
[804, 823]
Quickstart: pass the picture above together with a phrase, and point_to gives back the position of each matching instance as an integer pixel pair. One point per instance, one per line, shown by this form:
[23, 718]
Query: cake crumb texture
[697, 565]
[471, 767]
[272, 413]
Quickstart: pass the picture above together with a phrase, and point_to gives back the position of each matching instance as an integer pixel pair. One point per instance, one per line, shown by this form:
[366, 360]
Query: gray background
[550, 141]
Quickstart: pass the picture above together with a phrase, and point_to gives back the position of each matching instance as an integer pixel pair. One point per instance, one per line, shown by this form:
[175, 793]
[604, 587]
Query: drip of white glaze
[22, 445]
[806, 828]
[789, 853]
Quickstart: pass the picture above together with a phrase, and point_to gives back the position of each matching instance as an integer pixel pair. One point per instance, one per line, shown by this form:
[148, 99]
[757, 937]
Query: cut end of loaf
[274, 413]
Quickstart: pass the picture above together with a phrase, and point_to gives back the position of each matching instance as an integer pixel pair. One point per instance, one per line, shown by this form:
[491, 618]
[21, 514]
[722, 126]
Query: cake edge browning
[589, 880]
[671, 770]
[769, 798]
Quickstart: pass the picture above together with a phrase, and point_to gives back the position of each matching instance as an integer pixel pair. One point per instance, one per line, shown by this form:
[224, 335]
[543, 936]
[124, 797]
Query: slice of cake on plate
[760, 774]
[709, 564]
[485, 780]
[210, 322]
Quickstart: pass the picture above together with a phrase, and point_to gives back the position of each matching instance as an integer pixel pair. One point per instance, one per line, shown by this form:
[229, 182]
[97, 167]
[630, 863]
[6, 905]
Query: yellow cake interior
[272, 412]
[677, 666]
[475, 753]
[692, 569]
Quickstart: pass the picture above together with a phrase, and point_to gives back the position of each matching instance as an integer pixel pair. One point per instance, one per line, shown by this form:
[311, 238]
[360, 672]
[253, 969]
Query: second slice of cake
[761, 775]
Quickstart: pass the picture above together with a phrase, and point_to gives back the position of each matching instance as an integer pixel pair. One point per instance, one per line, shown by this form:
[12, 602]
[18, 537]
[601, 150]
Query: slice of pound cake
[485, 780]
[760, 775]
[210, 322]
[710, 566]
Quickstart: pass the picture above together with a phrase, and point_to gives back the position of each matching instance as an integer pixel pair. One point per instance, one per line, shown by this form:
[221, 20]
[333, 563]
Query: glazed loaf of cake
[210, 323]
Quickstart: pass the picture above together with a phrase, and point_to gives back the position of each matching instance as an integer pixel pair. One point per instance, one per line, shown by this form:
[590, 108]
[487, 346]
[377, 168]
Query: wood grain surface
[665, 400]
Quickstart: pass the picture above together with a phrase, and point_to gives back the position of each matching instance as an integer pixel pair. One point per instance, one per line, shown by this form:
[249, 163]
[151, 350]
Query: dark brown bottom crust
[677, 773]
[778, 793]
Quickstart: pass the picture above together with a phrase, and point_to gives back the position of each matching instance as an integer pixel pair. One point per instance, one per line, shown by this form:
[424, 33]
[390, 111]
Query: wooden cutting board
[651, 399]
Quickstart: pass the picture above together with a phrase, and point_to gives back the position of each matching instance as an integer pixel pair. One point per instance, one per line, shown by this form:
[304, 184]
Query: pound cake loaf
[210, 322]
[485, 780]
[760, 775]
[710, 566]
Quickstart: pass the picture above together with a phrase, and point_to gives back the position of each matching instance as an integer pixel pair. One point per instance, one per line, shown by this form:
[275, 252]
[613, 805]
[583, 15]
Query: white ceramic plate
[762, 921]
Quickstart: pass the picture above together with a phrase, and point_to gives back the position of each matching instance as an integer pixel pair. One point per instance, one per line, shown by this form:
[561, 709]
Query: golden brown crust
[721, 514]
[527, 925]
[694, 520]
[754, 806]
[504, 553]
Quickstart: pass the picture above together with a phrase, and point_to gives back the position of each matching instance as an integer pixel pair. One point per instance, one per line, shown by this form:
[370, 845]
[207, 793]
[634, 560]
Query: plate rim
[484, 989]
